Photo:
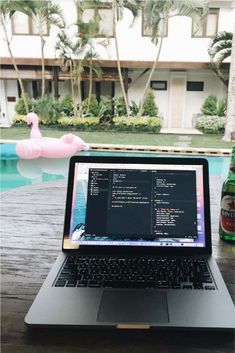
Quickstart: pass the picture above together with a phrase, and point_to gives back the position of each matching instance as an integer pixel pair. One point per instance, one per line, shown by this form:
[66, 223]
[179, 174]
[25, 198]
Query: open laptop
[136, 250]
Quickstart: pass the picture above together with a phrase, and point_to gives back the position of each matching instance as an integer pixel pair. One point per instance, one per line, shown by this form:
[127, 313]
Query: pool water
[17, 172]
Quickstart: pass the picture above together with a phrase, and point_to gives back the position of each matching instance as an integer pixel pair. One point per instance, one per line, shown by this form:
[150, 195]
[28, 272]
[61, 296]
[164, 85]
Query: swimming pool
[16, 172]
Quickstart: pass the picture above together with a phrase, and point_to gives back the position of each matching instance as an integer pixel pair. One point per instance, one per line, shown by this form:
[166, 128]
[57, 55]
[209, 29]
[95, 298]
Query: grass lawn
[124, 138]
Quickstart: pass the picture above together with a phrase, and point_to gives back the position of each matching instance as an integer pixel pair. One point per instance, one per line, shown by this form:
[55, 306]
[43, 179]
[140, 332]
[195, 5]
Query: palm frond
[49, 13]
[104, 42]
[222, 55]
[221, 36]
[135, 7]
[119, 8]
[9, 7]
[155, 11]
[97, 70]
[220, 46]
[63, 41]
[195, 9]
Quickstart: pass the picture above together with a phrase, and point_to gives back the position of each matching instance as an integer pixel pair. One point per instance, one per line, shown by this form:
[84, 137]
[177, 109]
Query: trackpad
[134, 306]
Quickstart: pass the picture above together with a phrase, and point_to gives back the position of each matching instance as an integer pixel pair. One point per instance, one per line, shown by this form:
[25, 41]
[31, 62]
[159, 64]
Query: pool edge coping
[161, 149]
[151, 149]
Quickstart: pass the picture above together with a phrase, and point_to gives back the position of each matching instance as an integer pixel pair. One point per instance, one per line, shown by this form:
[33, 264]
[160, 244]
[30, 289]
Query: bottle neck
[231, 173]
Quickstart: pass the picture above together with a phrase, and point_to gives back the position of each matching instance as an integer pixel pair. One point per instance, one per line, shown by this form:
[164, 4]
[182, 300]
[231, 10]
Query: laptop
[136, 249]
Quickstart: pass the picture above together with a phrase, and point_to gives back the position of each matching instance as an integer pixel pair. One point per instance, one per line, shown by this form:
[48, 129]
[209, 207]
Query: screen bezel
[100, 249]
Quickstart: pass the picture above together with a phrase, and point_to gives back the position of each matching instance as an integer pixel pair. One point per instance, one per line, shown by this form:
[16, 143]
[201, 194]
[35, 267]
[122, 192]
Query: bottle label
[227, 216]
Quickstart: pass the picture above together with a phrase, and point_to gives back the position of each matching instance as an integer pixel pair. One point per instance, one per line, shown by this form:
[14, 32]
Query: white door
[177, 100]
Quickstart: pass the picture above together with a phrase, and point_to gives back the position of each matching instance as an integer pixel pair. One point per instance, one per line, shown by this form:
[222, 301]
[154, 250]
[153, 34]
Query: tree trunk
[75, 111]
[79, 96]
[149, 78]
[229, 134]
[218, 74]
[15, 67]
[42, 58]
[90, 83]
[118, 60]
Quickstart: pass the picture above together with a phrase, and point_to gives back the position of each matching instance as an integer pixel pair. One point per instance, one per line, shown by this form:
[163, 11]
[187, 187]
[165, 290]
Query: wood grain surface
[31, 227]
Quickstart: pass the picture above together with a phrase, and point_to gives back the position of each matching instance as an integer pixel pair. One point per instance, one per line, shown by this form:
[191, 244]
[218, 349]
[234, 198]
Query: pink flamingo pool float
[48, 147]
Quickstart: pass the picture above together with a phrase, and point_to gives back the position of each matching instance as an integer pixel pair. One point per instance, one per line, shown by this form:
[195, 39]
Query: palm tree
[230, 123]
[118, 8]
[47, 13]
[89, 31]
[7, 10]
[220, 49]
[69, 49]
[160, 11]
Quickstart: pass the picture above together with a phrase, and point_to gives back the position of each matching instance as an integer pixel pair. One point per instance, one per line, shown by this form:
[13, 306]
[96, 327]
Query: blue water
[16, 172]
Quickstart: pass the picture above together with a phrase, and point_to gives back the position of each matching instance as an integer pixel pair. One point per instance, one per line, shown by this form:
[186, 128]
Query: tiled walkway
[180, 131]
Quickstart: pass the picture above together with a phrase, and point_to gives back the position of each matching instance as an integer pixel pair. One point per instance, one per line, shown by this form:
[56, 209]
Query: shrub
[105, 112]
[86, 122]
[93, 110]
[20, 107]
[214, 106]
[48, 109]
[65, 121]
[90, 123]
[19, 120]
[134, 108]
[144, 123]
[210, 124]
[150, 108]
[66, 105]
[119, 106]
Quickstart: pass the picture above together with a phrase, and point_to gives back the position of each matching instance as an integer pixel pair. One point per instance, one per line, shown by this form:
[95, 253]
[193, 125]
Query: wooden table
[32, 225]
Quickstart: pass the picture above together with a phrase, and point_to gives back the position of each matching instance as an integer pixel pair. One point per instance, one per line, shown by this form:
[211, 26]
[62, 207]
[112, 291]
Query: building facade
[182, 79]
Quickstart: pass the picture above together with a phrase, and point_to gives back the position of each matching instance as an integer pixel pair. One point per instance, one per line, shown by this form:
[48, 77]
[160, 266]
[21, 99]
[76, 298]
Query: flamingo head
[32, 119]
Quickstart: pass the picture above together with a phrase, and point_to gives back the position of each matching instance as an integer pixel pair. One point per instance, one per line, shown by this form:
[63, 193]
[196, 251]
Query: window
[195, 86]
[104, 11]
[24, 25]
[146, 30]
[159, 85]
[209, 25]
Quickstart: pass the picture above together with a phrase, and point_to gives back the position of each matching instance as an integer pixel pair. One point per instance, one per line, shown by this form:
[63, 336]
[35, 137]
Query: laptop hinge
[133, 326]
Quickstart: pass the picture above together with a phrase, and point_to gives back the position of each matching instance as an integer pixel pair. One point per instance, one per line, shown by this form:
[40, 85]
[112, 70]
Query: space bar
[125, 284]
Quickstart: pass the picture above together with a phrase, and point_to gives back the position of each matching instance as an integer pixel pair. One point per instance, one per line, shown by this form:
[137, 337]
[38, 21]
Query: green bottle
[227, 209]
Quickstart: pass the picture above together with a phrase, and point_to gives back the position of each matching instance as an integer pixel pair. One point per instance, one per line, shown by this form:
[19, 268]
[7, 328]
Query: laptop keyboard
[135, 272]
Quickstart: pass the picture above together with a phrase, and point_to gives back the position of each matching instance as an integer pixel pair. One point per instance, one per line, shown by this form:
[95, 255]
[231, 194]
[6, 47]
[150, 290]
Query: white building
[182, 79]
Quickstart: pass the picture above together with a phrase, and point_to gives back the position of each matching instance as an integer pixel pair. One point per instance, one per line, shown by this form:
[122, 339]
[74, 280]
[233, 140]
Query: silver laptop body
[136, 249]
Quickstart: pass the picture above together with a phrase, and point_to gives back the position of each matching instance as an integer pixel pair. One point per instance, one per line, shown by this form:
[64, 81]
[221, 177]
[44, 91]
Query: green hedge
[90, 123]
[210, 124]
[143, 124]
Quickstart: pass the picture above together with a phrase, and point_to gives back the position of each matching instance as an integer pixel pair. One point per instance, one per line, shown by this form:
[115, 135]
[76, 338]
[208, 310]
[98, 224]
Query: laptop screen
[157, 205]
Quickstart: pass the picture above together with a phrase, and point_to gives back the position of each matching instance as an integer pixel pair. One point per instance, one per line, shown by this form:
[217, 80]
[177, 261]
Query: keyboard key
[82, 284]
[187, 286]
[209, 287]
[60, 283]
[175, 285]
[71, 285]
[94, 284]
[206, 280]
[197, 285]
[163, 284]
[123, 284]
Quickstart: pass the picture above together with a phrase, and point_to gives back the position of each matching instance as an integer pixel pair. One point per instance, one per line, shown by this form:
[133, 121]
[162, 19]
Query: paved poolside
[21, 196]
